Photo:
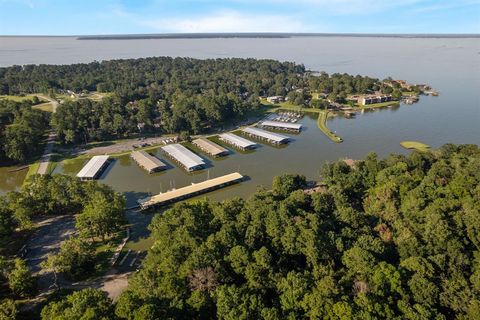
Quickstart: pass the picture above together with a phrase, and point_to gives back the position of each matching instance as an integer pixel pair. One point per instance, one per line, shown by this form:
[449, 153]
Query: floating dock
[210, 147]
[94, 168]
[148, 162]
[285, 126]
[190, 191]
[189, 160]
[270, 137]
[238, 142]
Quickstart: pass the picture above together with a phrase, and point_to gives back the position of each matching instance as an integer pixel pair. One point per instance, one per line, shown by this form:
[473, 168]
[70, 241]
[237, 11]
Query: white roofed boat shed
[270, 137]
[189, 160]
[277, 125]
[237, 141]
[93, 169]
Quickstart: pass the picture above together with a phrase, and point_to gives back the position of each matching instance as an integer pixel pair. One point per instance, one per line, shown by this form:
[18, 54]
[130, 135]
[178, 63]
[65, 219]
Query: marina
[190, 191]
[189, 160]
[94, 168]
[285, 126]
[270, 137]
[210, 147]
[148, 162]
[237, 141]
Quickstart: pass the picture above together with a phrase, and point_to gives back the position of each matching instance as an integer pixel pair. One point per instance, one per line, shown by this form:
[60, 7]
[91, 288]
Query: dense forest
[397, 238]
[99, 214]
[170, 95]
[22, 130]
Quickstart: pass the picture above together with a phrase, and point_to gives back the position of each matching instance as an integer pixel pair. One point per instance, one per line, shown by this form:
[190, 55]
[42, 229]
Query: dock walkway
[190, 191]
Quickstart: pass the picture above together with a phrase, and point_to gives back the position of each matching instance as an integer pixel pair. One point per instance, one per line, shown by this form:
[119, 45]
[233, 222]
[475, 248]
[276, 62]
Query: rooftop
[192, 189]
[93, 166]
[236, 140]
[147, 161]
[278, 124]
[186, 157]
[275, 137]
[209, 146]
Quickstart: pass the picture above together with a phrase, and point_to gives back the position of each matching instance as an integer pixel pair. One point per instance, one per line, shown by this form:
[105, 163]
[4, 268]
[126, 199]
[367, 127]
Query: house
[373, 98]
[276, 99]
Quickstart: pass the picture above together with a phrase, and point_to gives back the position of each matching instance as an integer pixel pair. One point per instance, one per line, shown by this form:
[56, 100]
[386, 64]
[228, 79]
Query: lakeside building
[374, 98]
[148, 162]
[93, 168]
[190, 191]
[189, 160]
[210, 147]
[276, 99]
[270, 137]
[277, 125]
[238, 142]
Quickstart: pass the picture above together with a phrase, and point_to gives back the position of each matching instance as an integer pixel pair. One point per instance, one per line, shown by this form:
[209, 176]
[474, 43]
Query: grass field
[379, 105]
[19, 98]
[415, 145]
[47, 106]
[322, 125]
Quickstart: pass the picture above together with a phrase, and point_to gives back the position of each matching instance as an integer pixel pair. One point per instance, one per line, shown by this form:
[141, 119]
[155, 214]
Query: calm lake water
[451, 66]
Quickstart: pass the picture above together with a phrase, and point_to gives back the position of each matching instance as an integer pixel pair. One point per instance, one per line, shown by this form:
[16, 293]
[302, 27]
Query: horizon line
[186, 35]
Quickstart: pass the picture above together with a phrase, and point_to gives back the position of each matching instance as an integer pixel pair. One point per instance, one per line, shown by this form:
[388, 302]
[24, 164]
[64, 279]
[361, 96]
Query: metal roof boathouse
[93, 169]
[210, 147]
[270, 137]
[190, 191]
[277, 125]
[236, 141]
[189, 160]
[148, 162]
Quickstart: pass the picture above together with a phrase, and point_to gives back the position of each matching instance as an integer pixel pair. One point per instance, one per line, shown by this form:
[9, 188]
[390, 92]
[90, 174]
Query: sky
[92, 17]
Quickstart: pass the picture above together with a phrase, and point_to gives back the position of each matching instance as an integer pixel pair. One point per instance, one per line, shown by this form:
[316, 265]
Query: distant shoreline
[242, 35]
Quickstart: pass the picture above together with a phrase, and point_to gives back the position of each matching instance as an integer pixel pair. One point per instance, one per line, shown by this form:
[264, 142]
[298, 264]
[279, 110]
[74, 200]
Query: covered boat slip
[93, 169]
[277, 125]
[190, 191]
[270, 137]
[210, 147]
[148, 162]
[237, 141]
[189, 160]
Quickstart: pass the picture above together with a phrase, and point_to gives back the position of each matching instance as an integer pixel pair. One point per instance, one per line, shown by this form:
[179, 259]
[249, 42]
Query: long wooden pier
[190, 191]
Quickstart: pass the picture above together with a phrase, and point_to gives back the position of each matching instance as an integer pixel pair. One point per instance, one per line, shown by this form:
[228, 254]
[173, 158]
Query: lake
[450, 65]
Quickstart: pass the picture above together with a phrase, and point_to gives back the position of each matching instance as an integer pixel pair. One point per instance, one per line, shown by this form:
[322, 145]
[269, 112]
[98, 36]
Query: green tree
[76, 259]
[86, 304]
[20, 279]
[102, 216]
[285, 184]
[8, 310]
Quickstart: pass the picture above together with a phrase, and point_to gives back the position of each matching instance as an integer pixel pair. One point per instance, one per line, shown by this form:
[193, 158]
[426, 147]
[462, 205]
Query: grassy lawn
[416, 145]
[98, 96]
[322, 125]
[19, 98]
[32, 170]
[47, 106]
[288, 106]
[379, 105]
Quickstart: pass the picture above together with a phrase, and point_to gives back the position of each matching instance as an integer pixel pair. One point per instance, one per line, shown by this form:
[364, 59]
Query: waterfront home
[374, 98]
[276, 99]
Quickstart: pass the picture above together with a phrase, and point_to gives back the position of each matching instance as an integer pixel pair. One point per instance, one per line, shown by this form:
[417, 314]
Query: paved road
[43, 168]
